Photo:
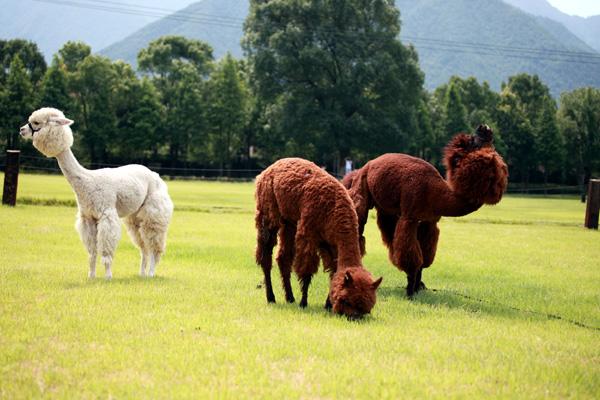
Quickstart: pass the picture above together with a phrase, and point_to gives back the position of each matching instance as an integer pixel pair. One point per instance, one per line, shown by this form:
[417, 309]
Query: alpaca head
[473, 167]
[353, 292]
[49, 130]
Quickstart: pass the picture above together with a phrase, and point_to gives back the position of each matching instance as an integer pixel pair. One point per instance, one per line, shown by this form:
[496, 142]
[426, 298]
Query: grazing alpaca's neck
[346, 232]
[71, 168]
[349, 254]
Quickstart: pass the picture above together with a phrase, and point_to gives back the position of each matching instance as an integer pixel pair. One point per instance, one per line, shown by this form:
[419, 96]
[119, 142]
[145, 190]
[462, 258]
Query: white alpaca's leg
[109, 233]
[154, 260]
[88, 233]
[133, 228]
[155, 218]
[155, 239]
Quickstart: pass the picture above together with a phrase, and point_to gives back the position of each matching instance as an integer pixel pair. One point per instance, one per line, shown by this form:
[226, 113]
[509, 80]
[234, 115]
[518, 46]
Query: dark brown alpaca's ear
[348, 279]
[377, 283]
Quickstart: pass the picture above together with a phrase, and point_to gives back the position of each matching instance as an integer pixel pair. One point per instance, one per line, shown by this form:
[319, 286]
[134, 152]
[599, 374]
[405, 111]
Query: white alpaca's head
[49, 130]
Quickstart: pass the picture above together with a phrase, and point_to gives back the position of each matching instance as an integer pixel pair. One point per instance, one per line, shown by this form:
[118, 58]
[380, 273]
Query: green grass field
[515, 314]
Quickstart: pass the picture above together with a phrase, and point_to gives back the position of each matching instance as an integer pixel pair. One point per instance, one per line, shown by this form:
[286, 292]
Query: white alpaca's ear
[61, 121]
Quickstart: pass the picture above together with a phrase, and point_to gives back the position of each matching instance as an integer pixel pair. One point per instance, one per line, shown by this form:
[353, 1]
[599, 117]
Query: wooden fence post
[11, 178]
[593, 204]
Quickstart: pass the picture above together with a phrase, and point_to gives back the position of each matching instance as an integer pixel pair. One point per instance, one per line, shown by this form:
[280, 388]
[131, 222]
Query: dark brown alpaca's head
[473, 167]
[353, 292]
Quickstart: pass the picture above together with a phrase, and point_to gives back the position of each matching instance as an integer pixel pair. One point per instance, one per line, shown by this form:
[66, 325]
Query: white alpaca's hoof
[108, 277]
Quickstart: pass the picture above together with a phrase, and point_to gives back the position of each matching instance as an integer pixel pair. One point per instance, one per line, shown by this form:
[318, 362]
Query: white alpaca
[132, 192]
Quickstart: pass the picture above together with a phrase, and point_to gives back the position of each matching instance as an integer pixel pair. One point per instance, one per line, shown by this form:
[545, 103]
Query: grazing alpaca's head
[353, 292]
[474, 169]
[49, 130]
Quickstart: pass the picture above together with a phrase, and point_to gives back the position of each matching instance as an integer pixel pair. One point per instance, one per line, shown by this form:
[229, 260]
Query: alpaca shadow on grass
[313, 310]
[127, 280]
[318, 310]
[451, 299]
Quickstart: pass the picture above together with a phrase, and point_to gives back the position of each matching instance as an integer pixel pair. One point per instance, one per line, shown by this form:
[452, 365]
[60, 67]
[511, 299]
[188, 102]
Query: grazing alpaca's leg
[306, 261]
[406, 252]
[329, 256]
[285, 258]
[266, 239]
[109, 233]
[387, 226]
[427, 234]
[133, 228]
[88, 233]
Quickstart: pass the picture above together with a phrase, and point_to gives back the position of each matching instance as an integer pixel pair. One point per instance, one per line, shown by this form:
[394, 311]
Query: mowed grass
[515, 313]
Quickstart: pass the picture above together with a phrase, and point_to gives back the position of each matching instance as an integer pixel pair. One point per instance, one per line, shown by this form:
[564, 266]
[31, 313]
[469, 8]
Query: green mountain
[492, 41]
[587, 29]
[217, 22]
[51, 23]
[488, 39]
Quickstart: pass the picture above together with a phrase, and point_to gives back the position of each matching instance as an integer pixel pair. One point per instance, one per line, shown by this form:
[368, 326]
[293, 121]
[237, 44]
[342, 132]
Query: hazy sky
[583, 8]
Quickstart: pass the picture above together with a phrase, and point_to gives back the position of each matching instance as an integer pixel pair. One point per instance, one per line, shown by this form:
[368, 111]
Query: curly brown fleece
[314, 216]
[411, 196]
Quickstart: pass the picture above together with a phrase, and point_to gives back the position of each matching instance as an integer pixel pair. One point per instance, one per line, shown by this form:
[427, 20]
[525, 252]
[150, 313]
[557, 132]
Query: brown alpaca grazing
[314, 216]
[411, 196]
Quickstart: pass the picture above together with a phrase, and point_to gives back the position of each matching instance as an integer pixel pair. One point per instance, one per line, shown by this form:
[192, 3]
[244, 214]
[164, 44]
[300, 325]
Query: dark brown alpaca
[314, 216]
[411, 196]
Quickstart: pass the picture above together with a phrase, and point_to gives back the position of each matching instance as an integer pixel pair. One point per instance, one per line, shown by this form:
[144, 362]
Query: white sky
[583, 8]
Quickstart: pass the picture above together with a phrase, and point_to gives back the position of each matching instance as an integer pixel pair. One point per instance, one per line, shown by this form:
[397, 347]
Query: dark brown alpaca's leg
[266, 240]
[285, 258]
[387, 226]
[306, 261]
[329, 257]
[428, 235]
[305, 283]
[406, 252]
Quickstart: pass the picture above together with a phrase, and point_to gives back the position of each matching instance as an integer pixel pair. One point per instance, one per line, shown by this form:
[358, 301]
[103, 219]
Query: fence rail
[34, 164]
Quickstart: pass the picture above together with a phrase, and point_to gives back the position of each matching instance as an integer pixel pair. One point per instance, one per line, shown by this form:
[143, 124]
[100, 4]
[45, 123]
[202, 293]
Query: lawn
[515, 311]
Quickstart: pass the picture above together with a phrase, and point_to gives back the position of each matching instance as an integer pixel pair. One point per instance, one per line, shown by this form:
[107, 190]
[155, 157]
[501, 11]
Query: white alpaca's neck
[71, 168]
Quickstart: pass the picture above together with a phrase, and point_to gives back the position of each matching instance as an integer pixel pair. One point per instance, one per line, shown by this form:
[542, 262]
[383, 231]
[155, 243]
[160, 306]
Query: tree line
[327, 81]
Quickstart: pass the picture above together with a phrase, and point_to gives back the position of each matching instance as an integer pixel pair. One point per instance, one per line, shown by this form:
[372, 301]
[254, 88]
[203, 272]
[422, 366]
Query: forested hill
[587, 29]
[493, 40]
[98, 23]
[217, 22]
[489, 39]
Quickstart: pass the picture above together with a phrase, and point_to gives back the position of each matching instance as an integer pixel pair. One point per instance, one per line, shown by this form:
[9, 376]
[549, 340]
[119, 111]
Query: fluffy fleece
[314, 217]
[411, 196]
[132, 192]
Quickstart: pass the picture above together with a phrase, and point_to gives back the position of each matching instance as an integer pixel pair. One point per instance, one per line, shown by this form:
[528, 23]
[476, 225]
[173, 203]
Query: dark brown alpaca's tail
[349, 178]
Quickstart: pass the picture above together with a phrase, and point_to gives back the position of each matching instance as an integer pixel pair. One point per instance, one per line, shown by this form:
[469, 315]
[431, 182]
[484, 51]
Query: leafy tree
[517, 134]
[72, 53]
[178, 67]
[17, 101]
[455, 113]
[55, 89]
[138, 113]
[549, 142]
[29, 54]
[579, 121]
[332, 77]
[226, 111]
[92, 86]
[533, 122]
